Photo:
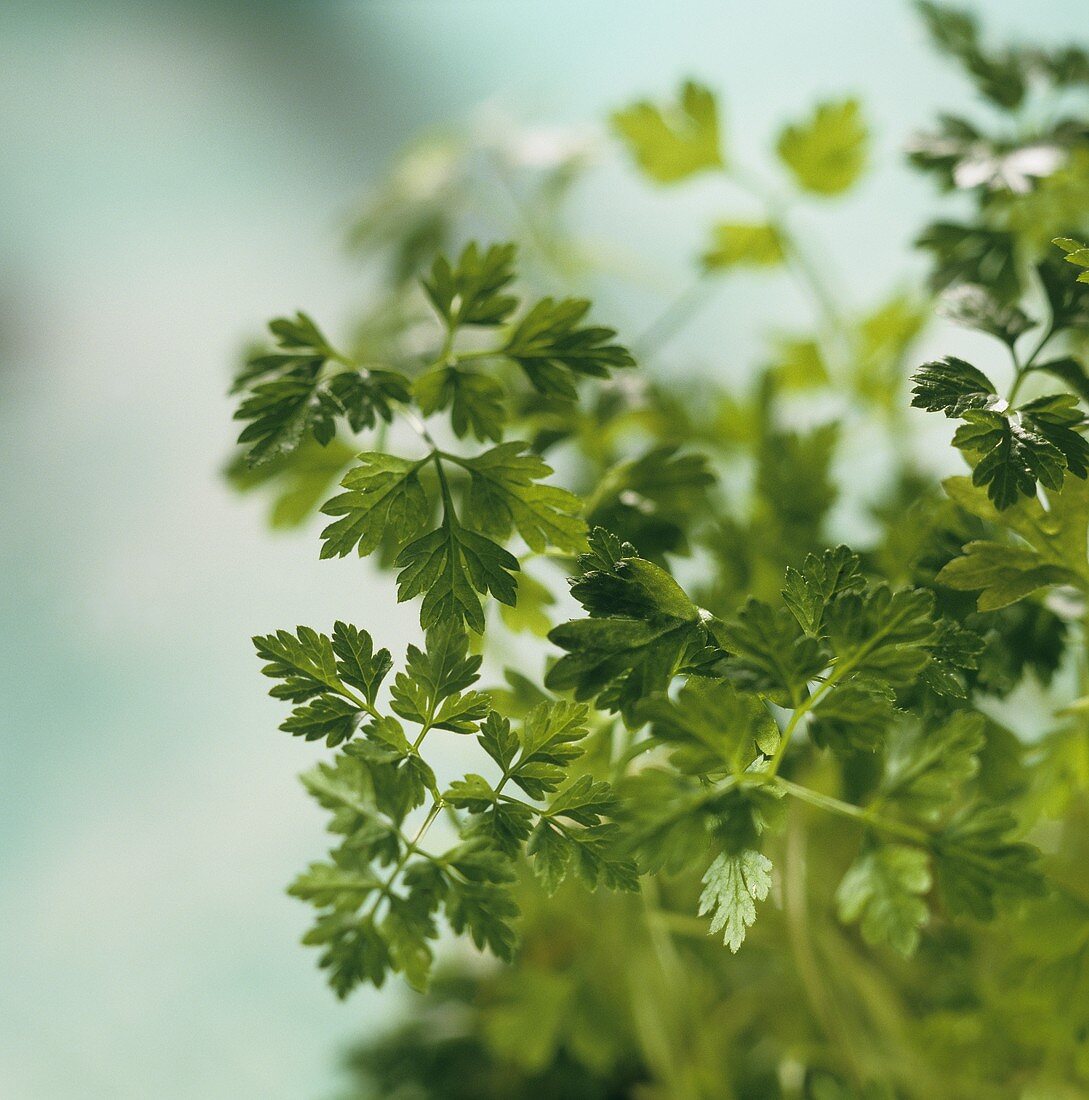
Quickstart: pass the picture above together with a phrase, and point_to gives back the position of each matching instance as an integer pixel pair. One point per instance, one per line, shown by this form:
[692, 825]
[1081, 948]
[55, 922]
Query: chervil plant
[752, 812]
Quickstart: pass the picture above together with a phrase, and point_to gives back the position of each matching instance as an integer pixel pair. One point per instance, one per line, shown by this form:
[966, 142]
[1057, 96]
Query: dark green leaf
[474, 399]
[952, 386]
[808, 592]
[642, 629]
[305, 663]
[433, 689]
[978, 863]
[292, 394]
[505, 495]
[928, 763]
[357, 662]
[769, 653]
[998, 76]
[972, 254]
[384, 495]
[711, 726]
[471, 291]
[328, 716]
[553, 347]
[450, 566]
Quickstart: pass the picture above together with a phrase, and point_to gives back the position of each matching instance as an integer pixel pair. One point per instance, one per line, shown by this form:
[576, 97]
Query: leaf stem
[1022, 369]
[357, 700]
[840, 668]
[410, 848]
[855, 813]
[800, 712]
[678, 313]
[805, 271]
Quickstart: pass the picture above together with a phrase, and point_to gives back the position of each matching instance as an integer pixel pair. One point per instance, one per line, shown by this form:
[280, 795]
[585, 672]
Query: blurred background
[171, 175]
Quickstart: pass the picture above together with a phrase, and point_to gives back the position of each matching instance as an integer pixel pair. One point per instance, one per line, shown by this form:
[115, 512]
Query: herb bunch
[860, 771]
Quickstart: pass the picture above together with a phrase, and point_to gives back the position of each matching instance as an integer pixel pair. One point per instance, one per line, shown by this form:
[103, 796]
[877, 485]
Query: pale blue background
[170, 175]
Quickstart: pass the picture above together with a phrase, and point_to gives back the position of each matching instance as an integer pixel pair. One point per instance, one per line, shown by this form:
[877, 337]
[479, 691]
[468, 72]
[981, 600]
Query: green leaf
[826, 153]
[504, 824]
[399, 778]
[449, 566]
[573, 837]
[358, 665]
[978, 864]
[883, 890]
[800, 365]
[1058, 419]
[363, 395]
[642, 629]
[769, 653]
[384, 495]
[407, 927]
[498, 740]
[585, 853]
[335, 886]
[885, 338]
[1002, 573]
[1076, 253]
[854, 717]
[355, 951]
[551, 851]
[471, 291]
[505, 494]
[1011, 457]
[882, 633]
[711, 726]
[345, 787]
[433, 690]
[1057, 533]
[928, 764]
[474, 399]
[1050, 546]
[743, 244]
[292, 395]
[952, 386]
[549, 739]
[733, 884]
[671, 142]
[652, 501]
[480, 901]
[327, 717]
[808, 592]
[305, 663]
[553, 347]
